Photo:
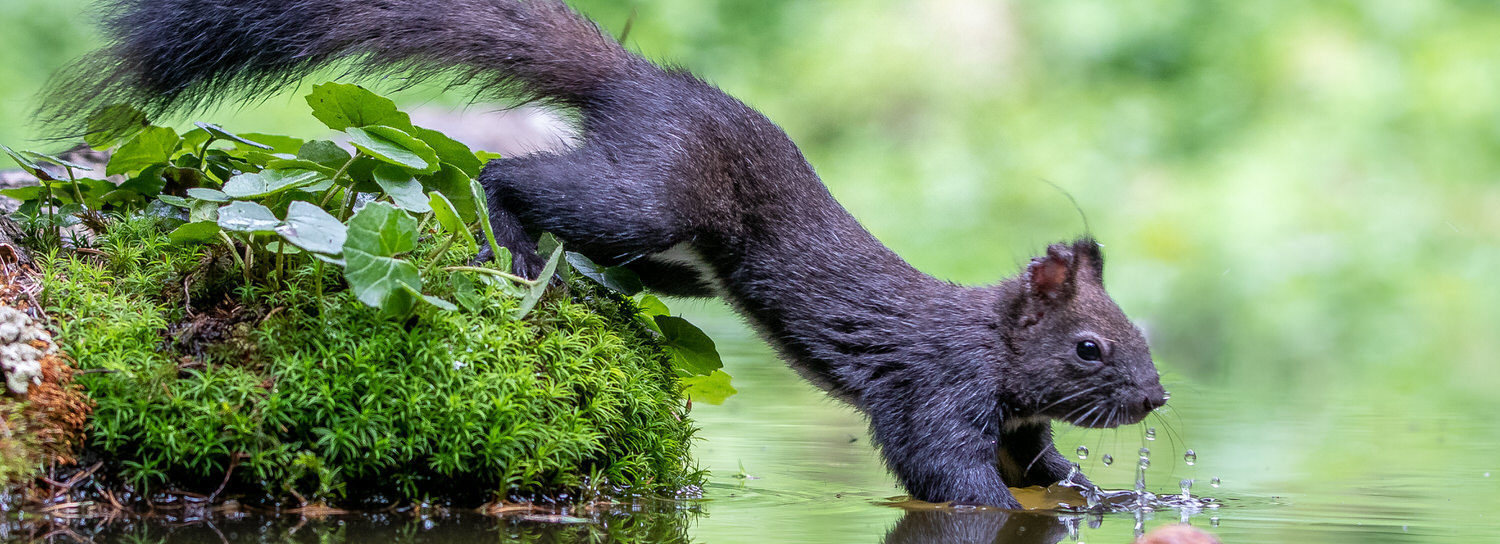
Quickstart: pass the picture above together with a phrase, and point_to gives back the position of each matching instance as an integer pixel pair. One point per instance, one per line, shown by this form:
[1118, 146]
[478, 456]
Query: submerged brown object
[1178, 534]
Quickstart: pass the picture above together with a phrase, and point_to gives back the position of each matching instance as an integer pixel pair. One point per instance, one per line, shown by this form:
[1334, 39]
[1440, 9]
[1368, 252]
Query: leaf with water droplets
[241, 216]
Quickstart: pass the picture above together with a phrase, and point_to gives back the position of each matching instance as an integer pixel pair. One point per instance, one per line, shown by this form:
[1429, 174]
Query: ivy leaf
[324, 152]
[195, 232]
[616, 278]
[540, 287]
[342, 105]
[219, 132]
[393, 146]
[30, 192]
[54, 160]
[204, 210]
[241, 216]
[176, 201]
[464, 291]
[713, 388]
[402, 187]
[208, 195]
[448, 217]
[311, 228]
[455, 185]
[449, 150]
[693, 352]
[650, 307]
[283, 248]
[153, 145]
[381, 229]
[377, 234]
[277, 142]
[268, 182]
[149, 182]
[26, 163]
[278, 163]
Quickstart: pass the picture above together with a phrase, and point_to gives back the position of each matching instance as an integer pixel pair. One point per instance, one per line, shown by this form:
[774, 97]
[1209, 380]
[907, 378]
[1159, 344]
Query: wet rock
[20, 359]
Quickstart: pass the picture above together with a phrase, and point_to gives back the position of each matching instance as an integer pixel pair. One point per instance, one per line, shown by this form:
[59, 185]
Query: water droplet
[1191, 457]
[1108, 459]
[1150, 433]
[1145, 463]
[1083, 452]
[1186, 485]
[1214, 482]
[1145, 452]
[1214, 521]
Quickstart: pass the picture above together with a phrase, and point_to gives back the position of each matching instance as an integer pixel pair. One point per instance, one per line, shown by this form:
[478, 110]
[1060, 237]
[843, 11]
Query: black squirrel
[702, 196]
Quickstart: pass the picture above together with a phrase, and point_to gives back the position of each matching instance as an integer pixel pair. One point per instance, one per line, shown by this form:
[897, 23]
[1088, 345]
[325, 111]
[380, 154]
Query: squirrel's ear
[1088, 258]
[1051, 277]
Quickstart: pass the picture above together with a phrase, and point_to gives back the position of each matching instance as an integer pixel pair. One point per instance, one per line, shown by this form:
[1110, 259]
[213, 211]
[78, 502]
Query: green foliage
[350, 384]
[333, 399]
[255, 197]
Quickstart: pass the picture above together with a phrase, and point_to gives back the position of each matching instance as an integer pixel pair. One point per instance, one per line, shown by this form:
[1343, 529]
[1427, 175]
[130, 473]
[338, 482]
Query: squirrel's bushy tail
[176, 56]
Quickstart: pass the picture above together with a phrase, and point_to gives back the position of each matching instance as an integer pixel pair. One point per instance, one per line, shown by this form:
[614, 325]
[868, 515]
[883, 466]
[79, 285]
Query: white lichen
[20, 361]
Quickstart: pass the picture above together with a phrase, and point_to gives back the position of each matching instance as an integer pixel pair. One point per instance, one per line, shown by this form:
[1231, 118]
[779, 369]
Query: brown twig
[234, 461]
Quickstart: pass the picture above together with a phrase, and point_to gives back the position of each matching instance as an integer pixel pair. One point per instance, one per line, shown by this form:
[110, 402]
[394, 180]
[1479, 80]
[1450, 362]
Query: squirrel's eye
[1088, 350]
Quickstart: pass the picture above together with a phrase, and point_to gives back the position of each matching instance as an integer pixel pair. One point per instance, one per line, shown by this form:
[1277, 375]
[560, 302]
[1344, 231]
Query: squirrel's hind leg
[608, 213]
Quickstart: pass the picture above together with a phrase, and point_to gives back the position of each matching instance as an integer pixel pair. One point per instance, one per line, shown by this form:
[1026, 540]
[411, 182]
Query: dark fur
[958, 382]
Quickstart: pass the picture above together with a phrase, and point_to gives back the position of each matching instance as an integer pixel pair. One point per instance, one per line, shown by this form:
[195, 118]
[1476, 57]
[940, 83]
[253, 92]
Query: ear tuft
[1051, 277]
[1089, 256]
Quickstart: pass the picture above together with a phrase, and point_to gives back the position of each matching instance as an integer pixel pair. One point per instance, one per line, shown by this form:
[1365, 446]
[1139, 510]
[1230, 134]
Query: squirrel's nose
[1156, 399]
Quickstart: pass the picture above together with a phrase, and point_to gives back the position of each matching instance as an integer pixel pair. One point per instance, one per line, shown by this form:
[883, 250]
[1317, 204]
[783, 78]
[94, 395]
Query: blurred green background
[1300, 201]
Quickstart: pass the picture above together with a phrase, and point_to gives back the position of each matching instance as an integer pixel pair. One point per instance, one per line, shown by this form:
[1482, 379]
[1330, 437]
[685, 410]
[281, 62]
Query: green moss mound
[195, 379]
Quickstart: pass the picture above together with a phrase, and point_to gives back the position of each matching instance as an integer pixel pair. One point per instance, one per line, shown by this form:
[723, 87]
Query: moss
[330, 401]
[45, 424]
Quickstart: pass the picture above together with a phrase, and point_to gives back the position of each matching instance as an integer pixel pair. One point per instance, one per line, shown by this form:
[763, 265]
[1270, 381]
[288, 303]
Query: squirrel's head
[1065, 331]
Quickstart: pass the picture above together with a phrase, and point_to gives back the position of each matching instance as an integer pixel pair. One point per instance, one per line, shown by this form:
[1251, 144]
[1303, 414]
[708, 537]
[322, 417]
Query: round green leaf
[615, 278]
[206, 194]
[153, 145]
[311, 228]
[195, 232]
[282, 247]
[450, 151]
[448, 217]
[693, 352]
[220, 133]
[324, 152]
[176, 201]
[381, 229]
[56, 160]
[713, 388]
[403, 188]
[241, 216]
[454, 185]
[269, 182]
[395, 147]
[342, 105]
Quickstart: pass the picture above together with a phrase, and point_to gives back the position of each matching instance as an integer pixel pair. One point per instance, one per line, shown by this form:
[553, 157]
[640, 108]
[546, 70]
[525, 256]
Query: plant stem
[342, 169]
[319, 276]
[281, 261]
[203, 151]
[77, 192]
[437, 256]
[249, 257]
[491, 272]
[236, 255]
